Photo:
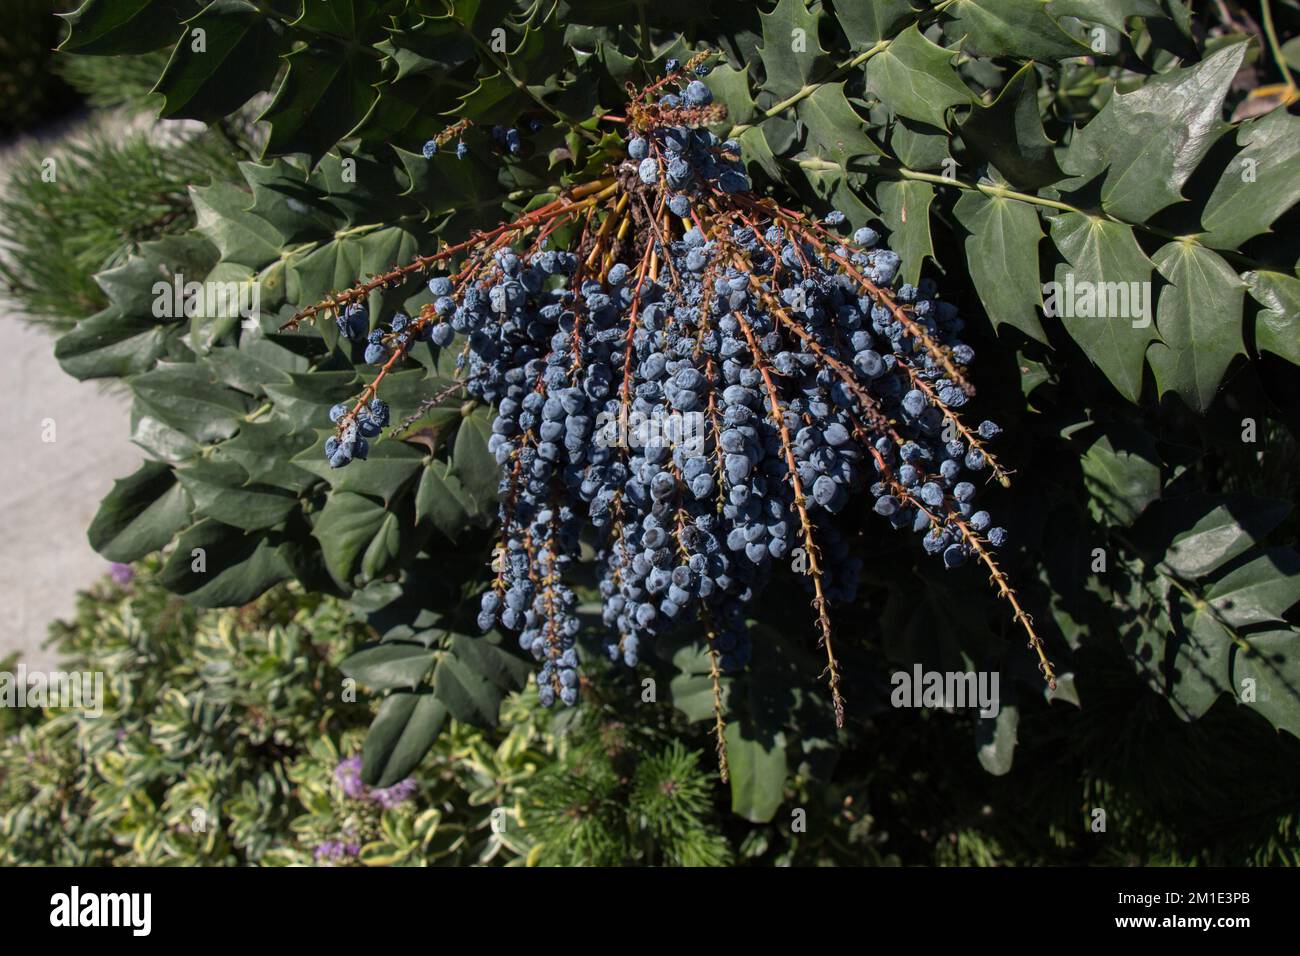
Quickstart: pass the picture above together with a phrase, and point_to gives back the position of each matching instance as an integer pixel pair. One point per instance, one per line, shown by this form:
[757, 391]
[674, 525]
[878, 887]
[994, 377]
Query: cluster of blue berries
[796, 378]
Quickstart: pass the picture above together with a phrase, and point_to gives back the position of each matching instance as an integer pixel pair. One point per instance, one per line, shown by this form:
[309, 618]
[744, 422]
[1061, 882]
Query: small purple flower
[329, 850]
[395, 795]
[121, 573]
[348, 775]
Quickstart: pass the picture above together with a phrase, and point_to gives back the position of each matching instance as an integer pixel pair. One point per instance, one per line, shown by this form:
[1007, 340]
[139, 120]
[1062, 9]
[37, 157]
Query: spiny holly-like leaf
[835, 131]
[405, 728]
[345, 528]
[1198, 534]
[791, 52]
[239, 58]
[1105, 266]
[188, 397]
[1199, 319]
[1122, 475]
[242, 236]
[215, 565]
[324, 94]
[1008, 134]
[905, 208]
[389, 666]
[913, 77]
[1002, 255]
[1019, 28]
[220, 489]
[1260, 183]
[125, 26]
[140, 515]
[865, 23]
[431, 45]
[1110, 13]
[1262, 590]
[1270, 676]
[1146, 143]
[1277, 326]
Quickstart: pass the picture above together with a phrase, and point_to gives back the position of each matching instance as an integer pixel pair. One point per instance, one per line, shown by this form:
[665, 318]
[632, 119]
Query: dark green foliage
[1154, 461]
[31, 91]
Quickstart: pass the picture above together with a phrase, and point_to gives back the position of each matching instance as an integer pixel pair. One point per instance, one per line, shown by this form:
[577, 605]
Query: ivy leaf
[914, 78]
[905, 208]
[1146, 143]
[401, 734]
[1277, 327]
[1103, 262]
[389, 666]
[757, 771]
[140, 515]
[865, 23]
[125, 26]
[791, 51]
[1008, 134]
[239, 59]
[1018, 28]
[1002, 254]
[1199, 318]
[1260, 183]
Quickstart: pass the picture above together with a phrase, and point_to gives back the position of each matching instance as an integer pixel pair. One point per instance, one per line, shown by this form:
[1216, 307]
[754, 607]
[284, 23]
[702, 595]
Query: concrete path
[50, 490]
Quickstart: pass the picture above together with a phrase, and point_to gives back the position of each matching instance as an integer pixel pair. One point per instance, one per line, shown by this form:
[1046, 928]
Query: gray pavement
[50, 490]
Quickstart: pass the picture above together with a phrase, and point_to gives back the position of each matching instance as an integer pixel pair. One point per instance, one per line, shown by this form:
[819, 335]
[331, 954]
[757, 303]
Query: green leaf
[791, 51]
[111, 345]
[384, 549]
[1277, 327]
[391, 465]
[389, 666]
[1273, 672]
[189, 398]
[1260, 183]
[1002, 255]
[757, 770]
[402, 733]
[1198, 534]
[995, 738]
[1121, 480]
[239, 59]
[441, 501]
[1008, 134]
[1260, 591]
[125, 26]
[474, 675]
[1019, 28]
[215, 565]
[1110, 13]
[345, 528]
[835, 132]
[1146, 143]
[324, 94]
[865, 23]
[913, 77]
[1105, 272]
[220, 491]
[223, 216]
[692, 684]
[1199, 318]
[472, 464]
[905, 209]
[140, 515]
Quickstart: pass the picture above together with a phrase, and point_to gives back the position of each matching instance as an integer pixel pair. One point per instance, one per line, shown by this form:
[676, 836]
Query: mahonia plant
[705, 377]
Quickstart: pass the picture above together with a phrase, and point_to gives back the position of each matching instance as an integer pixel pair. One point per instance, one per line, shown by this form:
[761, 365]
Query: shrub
[1097, 146]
